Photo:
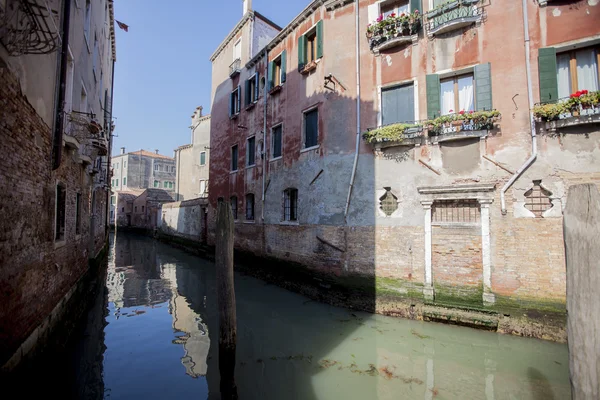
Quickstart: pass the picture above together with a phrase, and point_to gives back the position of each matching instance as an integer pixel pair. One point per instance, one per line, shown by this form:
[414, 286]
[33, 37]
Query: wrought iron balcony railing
[234, 68]
[453, 15]
[28, 27]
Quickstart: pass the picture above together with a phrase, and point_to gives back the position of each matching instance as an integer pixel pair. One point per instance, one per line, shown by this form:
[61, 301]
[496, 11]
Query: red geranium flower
[462, 112]
[450, 110]
[584, 92]
[392, 14]
[572, 96]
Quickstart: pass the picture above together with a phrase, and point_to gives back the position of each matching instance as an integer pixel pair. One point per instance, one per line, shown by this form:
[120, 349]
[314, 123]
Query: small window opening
[537, 199]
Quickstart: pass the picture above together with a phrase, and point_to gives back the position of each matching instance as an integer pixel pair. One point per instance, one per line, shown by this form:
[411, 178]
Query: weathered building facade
[192, 160]
[55, 124]
[143, 169]
[429, 172]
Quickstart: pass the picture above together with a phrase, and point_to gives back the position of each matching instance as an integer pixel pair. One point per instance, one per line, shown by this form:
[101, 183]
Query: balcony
[462, 125]
[580, 109]
[394, 31]
[82, 131]
[235, 68]
[452, 16]
[399, 134]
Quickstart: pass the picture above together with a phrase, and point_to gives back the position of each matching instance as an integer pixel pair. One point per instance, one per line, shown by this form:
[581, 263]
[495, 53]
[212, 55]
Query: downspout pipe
[109, 156]
[265, 153]
[59, 116]
[351, 186]
[533, 157]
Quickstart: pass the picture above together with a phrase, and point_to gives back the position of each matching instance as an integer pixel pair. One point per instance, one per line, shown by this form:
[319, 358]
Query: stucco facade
[192, 160]
[143, 169]
[500, 255]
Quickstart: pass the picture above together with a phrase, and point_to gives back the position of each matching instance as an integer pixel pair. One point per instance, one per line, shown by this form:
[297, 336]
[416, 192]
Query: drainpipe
[59, 116]
[357, 111]
[264, 146]
[533, 157]
[109, 156]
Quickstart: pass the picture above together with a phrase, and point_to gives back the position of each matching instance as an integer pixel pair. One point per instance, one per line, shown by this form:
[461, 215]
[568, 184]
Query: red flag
[123, 26]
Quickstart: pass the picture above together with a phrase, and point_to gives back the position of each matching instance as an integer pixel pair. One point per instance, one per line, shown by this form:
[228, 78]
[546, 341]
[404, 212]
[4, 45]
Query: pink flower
[380, 18]
[392, 15]
[471, 112]
[451, 111]
[416, 11]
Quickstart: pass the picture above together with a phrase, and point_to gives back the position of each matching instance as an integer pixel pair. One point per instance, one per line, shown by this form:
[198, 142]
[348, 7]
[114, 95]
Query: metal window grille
[290, 209]
[537, 200]
[456, 211]
[233, 201]
[389, 203]
[250, 207]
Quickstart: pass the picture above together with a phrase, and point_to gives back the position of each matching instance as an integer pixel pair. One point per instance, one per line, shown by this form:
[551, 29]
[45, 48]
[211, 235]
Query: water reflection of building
[138, 276]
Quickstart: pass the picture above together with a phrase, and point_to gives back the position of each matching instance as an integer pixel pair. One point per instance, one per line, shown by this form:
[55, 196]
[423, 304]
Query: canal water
[155, 333]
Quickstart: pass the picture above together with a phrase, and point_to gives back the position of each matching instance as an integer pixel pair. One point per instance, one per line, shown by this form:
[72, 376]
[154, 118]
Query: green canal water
[159, 336]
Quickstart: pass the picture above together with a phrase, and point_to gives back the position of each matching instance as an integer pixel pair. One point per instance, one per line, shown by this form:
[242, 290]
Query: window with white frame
[237, 50]
[398, 104]
[395, 7]
[457, 94]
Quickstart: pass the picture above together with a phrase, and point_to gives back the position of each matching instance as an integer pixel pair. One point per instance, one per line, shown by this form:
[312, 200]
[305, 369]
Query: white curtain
[563, 75]
[587, 70]
[447, 97]
[465, 94]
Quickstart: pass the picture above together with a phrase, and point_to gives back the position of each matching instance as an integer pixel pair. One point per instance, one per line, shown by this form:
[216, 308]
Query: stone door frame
[484, 194]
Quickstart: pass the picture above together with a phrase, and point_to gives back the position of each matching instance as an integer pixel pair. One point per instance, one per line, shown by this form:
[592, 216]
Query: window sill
[60, 243]
[250, 106]
[310, 148]
[234, 116]
[276, 159]
[308, 68]
[275, 90]
[249, 221]
[250, 166]
[290, 223]
[233, 172]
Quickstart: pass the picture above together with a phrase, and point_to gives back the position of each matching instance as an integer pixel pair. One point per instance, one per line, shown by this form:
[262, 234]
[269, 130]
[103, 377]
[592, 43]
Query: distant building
[192, 160]
[143, 169]
[146, 206]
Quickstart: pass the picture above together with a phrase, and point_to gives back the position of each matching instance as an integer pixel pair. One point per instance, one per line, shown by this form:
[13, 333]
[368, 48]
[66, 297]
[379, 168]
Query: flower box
[311, 66]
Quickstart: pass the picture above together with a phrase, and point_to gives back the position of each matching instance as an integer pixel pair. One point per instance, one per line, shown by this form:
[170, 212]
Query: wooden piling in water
[226, 301]
[582, 246]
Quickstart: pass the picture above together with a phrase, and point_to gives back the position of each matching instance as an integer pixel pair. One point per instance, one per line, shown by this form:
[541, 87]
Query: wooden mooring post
[582, 247]
[226, 301]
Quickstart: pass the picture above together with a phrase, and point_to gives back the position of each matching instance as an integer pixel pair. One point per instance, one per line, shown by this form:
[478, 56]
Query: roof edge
[248, 16]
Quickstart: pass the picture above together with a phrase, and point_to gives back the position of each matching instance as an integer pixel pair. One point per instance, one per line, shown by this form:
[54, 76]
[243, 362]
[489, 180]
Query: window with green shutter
[310, 46]
[203, 158]
[156, 184]
[483, 87]
[548, 72]
[433, 95]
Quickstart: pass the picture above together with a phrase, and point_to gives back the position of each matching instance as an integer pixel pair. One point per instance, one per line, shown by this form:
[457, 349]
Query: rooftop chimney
[122, 150]
[247, 5]
[156, 151]
[199, 111]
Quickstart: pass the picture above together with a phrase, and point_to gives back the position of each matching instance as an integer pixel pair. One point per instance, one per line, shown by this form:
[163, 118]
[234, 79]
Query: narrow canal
[158, 341]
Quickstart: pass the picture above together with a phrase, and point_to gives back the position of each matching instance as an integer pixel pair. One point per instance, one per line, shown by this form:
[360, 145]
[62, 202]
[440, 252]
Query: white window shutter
[373, 12]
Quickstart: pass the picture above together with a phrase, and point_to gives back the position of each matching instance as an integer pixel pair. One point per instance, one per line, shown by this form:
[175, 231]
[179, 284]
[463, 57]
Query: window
[290, 204]
[457, 94]
[251, 151]
[276, 141]
[170, 185]
[88, 20]
[396, 7]
[388, 202]
[277, 72]
[203, 158]
[117, 165]
[237, 50]
[142, 208]
[156, 167]
[252, 90]
[135, 209]
[125, 181]
[122, 209]
[165, 184]
[124, 164]
[577, 70]
[233, 201]
[234, 158]
[235, 102]
[112, 200]
[61, 210]
[310, 46]
[95, 56]
[398, 104]
[311, 128]
[537, 199]
[202, 187]
[156, 184]
[172, 168]
[456, 211]
[250, 207]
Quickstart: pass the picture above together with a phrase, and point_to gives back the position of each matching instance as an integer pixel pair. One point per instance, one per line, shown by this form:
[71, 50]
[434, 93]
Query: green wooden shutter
[483, 87]
[256, 86]
[239, 98]
[247, 94]
[230, 104]
[271, 74]
[301, 52]
[283, 66]
[547, 71]
[320, 39]
[433, 96]
[415, 5]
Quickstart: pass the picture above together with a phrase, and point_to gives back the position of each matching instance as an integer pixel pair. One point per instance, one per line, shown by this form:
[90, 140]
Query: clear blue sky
[163, 70]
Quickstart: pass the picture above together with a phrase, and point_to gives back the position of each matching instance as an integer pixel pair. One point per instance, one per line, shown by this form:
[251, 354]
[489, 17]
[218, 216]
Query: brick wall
[36, 272]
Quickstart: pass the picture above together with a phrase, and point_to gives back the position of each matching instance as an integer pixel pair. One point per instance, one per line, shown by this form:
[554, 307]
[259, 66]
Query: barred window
[250, 207]
[537, 199]
[290, 204]
[233, 200]
[388, 202]
[457, 211]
